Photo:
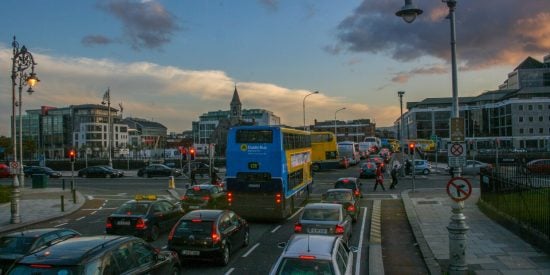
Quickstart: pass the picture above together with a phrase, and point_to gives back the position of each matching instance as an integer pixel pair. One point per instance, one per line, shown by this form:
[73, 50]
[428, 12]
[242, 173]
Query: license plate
[193, 207]
[123, 223]
[317, 231]
[190, 252]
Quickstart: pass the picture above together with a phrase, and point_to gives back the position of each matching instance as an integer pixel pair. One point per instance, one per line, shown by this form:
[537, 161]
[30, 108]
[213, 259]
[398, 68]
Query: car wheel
[155, 232]
[426, 172]
[224, 259]
[246, 240]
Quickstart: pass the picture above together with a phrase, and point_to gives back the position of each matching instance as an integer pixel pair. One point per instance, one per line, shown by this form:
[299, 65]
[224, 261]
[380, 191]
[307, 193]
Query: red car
[539, 166]
[4, 171]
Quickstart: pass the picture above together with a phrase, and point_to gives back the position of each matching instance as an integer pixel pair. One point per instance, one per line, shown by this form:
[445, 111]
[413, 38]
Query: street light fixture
[107, 100]
[22, 60]
[409, 11]
[335, 129]
[400, 94]
[304, 106]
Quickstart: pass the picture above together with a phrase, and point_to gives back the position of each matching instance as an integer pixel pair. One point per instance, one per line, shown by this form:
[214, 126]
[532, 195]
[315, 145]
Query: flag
[120, 105]
[106, 95]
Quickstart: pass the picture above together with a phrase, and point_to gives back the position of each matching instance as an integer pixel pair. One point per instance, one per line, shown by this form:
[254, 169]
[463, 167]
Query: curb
[376, 262]
[427, 254]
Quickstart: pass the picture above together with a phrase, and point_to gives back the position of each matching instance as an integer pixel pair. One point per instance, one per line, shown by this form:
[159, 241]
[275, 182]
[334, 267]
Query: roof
[529, 63]
[138, 123]
[319, 246]
[204, 214]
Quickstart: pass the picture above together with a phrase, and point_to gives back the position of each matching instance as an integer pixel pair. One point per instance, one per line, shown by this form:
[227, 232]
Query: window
[521, 130]
[124, 259]
[540, 118]
[539, 107]
[541, 130]
[143, 253]
[520, 107]
[530, 130]
[342, 255]
[530, 107]
[520, 119]
[530, 119]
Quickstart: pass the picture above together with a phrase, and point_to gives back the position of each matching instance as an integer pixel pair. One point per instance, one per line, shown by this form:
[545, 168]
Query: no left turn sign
[459, 189]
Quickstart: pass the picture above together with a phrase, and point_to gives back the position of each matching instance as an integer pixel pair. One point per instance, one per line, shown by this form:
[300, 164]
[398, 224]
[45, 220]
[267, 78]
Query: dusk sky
[171, 61]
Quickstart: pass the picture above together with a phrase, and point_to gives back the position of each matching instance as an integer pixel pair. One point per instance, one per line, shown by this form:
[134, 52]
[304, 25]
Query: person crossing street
[393, 174]
[379, 180]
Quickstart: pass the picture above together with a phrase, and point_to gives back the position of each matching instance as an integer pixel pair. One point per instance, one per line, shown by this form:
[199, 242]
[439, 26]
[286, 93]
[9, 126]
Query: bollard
[72, 185]
[63, 184]
[74, 195]
[171, 183]
[62, 203]
[457, 229]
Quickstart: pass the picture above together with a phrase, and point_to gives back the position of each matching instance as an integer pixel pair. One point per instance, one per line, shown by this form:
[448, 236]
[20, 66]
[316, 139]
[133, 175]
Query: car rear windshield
[133, 208]
[305, 266]
[194, 192]
[43, 269]
[341, 196]
[321, 214]
[341, 184]
[195, 227]
[16, 245]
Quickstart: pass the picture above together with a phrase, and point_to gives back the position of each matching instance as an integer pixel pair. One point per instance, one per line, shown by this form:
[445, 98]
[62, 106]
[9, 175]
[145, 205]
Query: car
[314, 254]
[350, 183]
[471, 167]
[158, 170]
[204, 196]
[368, 170]
[17, 244]
[97, 172]
[344, 197]
[117, 172]
[146, 216]
[324, 219]
[378, 160]
[209, 234]
[201, 169]
[103, 254]
[344, 163]
[539, 166]
[422, 166]
[32, 170]
[4, 171]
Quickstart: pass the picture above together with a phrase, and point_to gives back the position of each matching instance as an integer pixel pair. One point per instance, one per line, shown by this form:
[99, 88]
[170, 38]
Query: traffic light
[411, 148]
[192, 153]
[183, 152]
[72, 155]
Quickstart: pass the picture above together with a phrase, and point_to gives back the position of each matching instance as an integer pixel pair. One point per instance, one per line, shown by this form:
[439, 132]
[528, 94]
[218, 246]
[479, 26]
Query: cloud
[489, 33]
[170, 95]
[403, 77]
[146, 24]
[91, 40]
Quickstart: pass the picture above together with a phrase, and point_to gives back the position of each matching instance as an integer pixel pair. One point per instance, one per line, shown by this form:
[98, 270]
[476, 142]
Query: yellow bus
[324, 151]
[426, 145]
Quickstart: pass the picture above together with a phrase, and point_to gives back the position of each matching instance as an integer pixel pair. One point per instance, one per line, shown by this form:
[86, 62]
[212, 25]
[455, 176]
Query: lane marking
[81, 218]
[358, 258]
[100, 208]
[229, 271]
[93, 213]
[250, 250]
[294, 215]
[276, 228]
[90, 197]
[61, 224]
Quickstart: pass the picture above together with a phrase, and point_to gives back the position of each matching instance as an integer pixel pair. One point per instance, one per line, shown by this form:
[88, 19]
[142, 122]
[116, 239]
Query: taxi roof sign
[145, 197]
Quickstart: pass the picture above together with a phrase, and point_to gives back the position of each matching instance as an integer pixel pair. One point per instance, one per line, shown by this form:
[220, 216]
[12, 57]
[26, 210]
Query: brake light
[206, 198]
[357, 193]
[171, 234]
[41, 266]
[278, 198]
[196, 220]
[140, 224]
[339, 229]
[215, 236]
[297, 228]
[307, 257]
[184, 198]
[196, 188]
[109, 223]
[345, 180]
[351, 208]
[229, 197]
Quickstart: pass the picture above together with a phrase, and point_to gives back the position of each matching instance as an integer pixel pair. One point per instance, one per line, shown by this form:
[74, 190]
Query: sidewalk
[490, 248]
[39, 205]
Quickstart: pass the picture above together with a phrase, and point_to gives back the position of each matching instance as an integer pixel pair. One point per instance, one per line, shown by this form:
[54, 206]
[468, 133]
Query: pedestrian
[393, 174]
[214, 178]
[379, 178]
[192, 176]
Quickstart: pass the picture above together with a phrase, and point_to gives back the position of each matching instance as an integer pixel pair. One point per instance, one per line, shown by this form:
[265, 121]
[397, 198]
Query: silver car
[325, 219]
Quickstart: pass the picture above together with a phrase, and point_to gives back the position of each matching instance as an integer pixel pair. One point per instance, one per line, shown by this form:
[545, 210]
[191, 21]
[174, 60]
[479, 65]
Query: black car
[201, 169]
[33, 170]
[18, 244]
[117, 172]
[97, 172]
[158, 170]
[144, 217]
[209, 235]
[99, 255]
[204, 196]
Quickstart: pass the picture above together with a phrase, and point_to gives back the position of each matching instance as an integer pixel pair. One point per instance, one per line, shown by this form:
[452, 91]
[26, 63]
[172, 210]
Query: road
[105, 195]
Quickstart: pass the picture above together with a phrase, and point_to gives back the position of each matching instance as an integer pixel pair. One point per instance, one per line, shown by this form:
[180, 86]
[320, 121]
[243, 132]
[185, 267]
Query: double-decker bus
[268, 171]
[324, 151]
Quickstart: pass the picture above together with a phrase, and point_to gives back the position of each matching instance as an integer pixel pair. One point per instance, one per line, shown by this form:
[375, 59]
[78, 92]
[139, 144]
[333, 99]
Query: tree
[6, 144]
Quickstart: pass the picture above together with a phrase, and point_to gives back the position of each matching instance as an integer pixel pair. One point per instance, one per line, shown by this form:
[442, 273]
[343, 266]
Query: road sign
[433, 137]
[456, 150]
[124, 151]
[457, 129]
[459, 189]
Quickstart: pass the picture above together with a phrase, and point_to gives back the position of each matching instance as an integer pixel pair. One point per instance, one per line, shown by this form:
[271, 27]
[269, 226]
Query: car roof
[35, 232]
[347, 178]
[340, 190]
[204, 214]
[73, 250]
[323, 205]
[320, 246]
[203, 186]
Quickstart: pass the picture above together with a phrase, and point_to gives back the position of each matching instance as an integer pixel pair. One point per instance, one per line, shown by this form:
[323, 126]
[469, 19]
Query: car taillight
[351, 208]
[278, 198]
[171, 234]
[206, 198]
[109, 223]
[140, 224]
[357, 193]
[40, 266]
[297, 227]
[307, 257]
[215, 236]
[339, 229]
[184, 198]
[229, 197]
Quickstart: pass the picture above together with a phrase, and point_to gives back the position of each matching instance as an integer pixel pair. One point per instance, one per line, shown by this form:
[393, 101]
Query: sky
[171, 61]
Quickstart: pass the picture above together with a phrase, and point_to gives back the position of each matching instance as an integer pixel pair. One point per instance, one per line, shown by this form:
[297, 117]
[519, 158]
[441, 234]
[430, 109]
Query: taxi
[204, 196]
[146, 216]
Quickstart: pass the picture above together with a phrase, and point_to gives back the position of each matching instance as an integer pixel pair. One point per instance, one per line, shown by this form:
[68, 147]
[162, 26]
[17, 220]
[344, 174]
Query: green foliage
[5, 192]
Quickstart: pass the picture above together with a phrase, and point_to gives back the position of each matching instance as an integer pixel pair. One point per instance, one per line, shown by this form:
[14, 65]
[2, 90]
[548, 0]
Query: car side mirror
[281, 245]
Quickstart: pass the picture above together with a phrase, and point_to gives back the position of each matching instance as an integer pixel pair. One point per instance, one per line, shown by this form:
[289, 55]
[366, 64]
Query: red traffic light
[411, 145]
[191, 150]
[71, 153]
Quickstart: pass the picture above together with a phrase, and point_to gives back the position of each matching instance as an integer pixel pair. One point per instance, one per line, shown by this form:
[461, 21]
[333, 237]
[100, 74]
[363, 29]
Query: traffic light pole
[413, 169]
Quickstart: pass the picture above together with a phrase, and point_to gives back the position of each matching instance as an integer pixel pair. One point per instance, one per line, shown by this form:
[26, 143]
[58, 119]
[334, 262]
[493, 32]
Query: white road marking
[358, 258]
[229, 271]
[61, 224]
[276, 228]
[90, 197]
[93, 213]
[250, 250]
[81, 218]
[101, 208]
[294, 215]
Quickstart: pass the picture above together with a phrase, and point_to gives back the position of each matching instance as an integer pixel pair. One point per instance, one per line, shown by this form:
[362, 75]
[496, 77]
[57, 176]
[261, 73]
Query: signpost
[459, 189]
[456, 154]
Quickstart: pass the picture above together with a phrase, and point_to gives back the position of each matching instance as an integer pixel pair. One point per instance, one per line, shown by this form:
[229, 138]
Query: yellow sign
[457, 129]
[244, 147]
[145, 197]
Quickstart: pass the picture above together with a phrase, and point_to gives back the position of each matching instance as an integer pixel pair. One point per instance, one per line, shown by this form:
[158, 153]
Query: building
[517, 115]
[353, 130]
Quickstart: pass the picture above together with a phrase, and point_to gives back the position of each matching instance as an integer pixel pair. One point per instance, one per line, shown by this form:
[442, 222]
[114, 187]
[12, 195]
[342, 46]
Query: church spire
[236, 107]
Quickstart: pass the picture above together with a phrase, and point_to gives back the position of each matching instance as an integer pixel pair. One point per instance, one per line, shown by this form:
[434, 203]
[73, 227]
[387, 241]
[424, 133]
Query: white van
[349, 150]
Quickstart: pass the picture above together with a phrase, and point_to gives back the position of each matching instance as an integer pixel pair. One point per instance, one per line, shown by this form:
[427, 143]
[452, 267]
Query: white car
[472, 167]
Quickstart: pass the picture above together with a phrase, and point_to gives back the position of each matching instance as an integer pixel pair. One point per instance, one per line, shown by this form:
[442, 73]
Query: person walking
[379, 178]
[214, 179]
[192, 176]
[393, 174]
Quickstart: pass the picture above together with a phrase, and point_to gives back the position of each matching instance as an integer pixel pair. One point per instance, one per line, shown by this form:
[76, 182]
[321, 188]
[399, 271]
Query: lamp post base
[15, 195]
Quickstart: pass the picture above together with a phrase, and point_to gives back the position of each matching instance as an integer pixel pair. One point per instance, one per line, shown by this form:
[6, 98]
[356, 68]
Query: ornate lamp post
[22, 60]
[304, 106]
[107, 100]
[335, 129]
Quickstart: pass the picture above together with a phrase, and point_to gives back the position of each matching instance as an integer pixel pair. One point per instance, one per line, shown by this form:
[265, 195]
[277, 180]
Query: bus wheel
[315, 167]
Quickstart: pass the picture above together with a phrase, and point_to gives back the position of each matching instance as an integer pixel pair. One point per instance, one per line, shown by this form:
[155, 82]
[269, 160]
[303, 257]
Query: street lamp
[335, 130]
[22, 60]
[400, 94]
[304, 106]
[107, 100]
[409, 11]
